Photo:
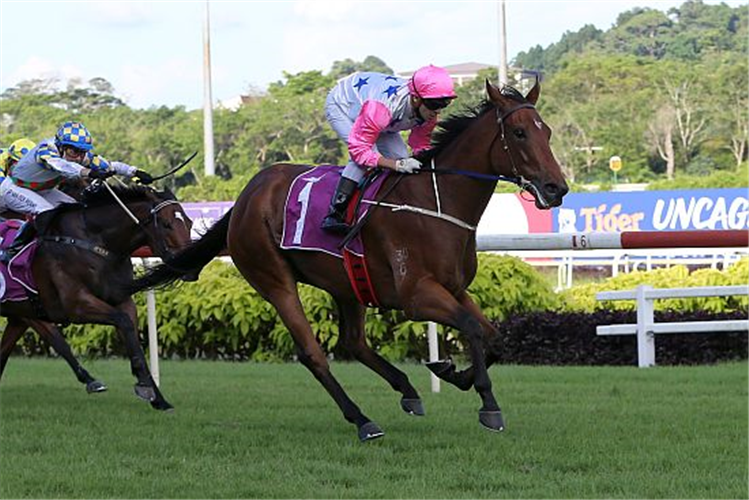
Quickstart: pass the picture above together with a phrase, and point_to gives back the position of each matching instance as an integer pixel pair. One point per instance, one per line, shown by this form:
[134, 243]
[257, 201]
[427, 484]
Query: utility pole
[502, 29]
[210, 167]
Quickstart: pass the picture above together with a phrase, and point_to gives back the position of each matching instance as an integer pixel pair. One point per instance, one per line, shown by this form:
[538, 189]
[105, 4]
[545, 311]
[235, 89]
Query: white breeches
[26, 201]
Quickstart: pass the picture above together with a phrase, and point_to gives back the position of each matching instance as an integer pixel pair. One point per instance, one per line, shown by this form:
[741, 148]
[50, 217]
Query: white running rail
[646, 327]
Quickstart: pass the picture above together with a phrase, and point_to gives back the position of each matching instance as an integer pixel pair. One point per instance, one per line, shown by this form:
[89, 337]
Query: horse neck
[464, 196]
[114, 227]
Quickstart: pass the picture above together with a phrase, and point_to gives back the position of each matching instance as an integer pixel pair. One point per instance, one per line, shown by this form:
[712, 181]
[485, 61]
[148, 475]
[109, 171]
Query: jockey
[368, 111]
[31, 184]
[10, 156]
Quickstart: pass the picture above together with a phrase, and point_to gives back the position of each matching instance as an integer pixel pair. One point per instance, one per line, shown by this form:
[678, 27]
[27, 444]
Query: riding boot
[23, 237]
[335, 221]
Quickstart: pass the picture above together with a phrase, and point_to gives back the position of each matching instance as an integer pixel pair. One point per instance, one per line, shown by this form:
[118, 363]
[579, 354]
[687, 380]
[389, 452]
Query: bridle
[517, 177]
[159, 238]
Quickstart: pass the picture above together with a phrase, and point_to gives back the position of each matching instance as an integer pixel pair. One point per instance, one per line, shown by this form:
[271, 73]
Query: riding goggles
[437, 104]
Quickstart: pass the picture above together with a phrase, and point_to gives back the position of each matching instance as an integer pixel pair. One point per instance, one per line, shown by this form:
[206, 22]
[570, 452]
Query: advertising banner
[681, 210]
[677, 210]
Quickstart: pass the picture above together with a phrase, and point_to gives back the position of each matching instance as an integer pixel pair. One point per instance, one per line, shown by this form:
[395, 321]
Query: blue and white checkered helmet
[74, 134]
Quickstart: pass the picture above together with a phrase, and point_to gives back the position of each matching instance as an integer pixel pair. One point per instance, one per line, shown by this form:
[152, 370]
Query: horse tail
[190, 260]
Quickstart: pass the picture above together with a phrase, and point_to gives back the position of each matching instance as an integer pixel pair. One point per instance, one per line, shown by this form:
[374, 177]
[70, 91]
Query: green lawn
[244, 430]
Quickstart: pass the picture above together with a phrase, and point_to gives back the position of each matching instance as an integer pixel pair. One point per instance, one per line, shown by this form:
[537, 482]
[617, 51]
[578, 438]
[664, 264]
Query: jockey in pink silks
[368, 111]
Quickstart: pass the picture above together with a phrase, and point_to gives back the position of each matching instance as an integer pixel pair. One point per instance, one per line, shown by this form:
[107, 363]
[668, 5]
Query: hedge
[222, 317]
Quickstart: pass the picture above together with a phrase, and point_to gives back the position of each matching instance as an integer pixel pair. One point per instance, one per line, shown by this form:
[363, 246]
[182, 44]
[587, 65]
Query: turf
[246, 430]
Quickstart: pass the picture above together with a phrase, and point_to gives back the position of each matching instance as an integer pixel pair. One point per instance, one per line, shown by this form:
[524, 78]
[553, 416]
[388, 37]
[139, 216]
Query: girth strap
[83, 244]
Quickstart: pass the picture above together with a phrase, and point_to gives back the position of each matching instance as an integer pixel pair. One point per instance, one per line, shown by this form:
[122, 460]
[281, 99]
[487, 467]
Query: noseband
[517, 177]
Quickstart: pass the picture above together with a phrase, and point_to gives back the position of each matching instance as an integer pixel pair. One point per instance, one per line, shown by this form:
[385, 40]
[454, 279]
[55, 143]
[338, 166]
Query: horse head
[167, 226]
[156, 218]
[522, 144]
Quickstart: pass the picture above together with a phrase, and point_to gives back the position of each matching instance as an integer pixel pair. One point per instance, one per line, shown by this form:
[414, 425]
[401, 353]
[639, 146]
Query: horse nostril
[555, 189]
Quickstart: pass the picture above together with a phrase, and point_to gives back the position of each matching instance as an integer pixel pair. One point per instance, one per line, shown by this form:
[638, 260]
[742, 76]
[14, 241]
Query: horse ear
[532, 96]
[494, 93]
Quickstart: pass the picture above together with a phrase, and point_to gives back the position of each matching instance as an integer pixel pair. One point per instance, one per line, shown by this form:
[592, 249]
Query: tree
[550, 60]
[345, 67]
[661, 137]
[729, 103]
[77, 97]
[641, 32]
[687, 114]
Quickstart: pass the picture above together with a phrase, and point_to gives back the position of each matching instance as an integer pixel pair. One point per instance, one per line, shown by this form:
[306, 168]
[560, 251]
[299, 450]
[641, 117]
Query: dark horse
[83, 263]
[49, 332]
[419, 263]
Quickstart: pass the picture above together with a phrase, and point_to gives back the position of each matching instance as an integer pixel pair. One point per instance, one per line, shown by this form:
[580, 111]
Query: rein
[474, 175]
[100, 250]
[438, 214]
[516, 178]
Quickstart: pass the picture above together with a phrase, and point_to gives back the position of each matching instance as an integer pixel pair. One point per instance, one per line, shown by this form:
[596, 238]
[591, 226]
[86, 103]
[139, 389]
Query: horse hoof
[162, 405]
[492, 420]
[440, 366]
[370, 431]
[95, 386]
[412, 406]
[145, 392]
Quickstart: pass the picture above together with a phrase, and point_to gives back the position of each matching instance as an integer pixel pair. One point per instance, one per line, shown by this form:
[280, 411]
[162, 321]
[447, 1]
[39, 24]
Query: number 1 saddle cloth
[307, 204]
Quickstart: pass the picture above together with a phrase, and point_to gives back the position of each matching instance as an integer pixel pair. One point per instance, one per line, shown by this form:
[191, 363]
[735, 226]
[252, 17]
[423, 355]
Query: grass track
[270, 431]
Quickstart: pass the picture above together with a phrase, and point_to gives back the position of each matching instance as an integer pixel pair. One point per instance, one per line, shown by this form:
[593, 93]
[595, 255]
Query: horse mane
[451, 127]
[102, 196]
[95, 198]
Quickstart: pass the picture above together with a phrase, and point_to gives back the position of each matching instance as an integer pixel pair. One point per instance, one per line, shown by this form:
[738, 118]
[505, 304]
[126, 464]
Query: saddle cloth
[15, 277]
[307, 205]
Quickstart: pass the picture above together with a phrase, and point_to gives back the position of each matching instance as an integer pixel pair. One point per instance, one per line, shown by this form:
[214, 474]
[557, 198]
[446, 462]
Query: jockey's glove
[407, 165]
[142, 177]
[100, 173]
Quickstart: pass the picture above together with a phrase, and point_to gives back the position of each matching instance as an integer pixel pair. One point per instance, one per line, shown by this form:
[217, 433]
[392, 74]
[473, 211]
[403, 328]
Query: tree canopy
[665, 91]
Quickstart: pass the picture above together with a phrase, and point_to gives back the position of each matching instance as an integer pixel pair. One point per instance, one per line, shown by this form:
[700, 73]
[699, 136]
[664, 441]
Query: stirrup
[332, 224]
[5, 255]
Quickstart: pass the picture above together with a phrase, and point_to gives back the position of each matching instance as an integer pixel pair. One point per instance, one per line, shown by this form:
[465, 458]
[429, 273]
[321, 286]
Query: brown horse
[83, 263]
[420, 261]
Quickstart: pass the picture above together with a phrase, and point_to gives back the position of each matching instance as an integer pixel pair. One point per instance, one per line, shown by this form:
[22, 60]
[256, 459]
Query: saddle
[307, 205]
[16, 281]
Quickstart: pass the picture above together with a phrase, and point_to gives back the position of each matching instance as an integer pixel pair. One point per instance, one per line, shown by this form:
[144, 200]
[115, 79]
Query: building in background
[465, 72]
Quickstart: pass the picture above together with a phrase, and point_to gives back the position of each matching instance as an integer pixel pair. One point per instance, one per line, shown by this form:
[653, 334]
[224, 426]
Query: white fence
[646, 327]
[732, 241]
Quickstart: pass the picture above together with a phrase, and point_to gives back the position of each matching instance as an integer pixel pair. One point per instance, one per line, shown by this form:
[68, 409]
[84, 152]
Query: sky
[152, 52]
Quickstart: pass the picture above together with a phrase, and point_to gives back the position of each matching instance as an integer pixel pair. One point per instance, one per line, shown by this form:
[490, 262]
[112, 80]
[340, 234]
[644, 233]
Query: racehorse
[420, 260]
[51, 334]
[83, 262]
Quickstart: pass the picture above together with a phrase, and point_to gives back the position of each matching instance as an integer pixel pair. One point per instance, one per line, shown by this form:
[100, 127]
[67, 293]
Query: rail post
[434, 352]
[645, 320]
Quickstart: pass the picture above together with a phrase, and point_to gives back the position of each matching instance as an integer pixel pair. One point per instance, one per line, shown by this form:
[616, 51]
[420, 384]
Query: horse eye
[167, 225]
[519, 133]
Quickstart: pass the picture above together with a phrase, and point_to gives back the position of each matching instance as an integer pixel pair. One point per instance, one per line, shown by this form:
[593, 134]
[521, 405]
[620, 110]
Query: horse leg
[146, 387]
[54, 337]
[351, 325]
[13, 331]
[431, 301]
[445, 369]
[84, 307]
[311, 355]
